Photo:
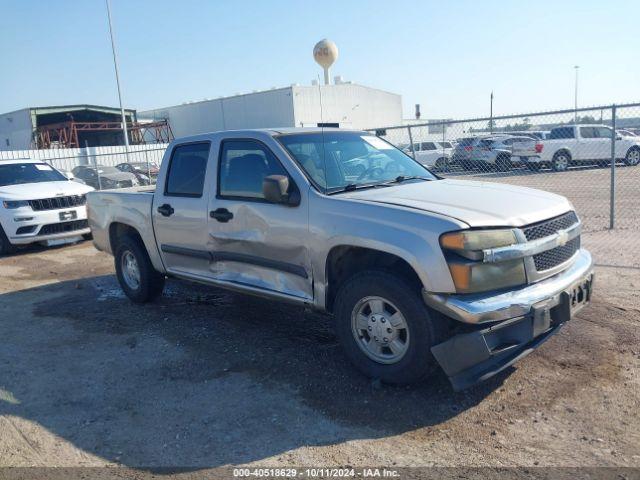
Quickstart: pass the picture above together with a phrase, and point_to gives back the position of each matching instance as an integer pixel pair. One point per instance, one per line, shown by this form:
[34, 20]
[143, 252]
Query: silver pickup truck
[416, 270]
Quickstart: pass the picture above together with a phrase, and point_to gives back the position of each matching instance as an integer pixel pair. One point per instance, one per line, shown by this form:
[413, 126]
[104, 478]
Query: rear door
[180, 214]
[255, 243]
[595, 143]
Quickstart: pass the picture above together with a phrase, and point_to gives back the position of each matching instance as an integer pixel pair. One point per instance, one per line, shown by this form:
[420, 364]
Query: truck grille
[57, 203]
[556, 256]
[63, 227]
[549, 227]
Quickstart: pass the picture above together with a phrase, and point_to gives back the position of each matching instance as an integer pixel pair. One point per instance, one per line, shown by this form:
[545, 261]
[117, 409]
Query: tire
[441, 164]
[132, 257]
[503, 163]
[6, 248]
[633, 157]
[561, 161]
[423, 328]
[534, 167]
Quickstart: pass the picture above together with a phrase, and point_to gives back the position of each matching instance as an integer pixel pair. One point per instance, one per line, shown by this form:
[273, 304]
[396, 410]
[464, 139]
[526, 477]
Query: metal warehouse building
[343, 104]
[72, 126]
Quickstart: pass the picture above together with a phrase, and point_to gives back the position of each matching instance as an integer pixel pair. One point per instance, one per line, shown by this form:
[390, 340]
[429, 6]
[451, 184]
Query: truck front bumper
[502, 328]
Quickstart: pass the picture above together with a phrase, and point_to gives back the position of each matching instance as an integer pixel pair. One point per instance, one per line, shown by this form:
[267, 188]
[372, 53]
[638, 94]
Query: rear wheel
[561, 161]
[385, 328]
[503, 163]
[136, 275]
[6, 248]
[633, 157]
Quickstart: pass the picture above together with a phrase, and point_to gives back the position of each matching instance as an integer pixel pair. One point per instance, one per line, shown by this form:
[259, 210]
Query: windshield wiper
[350, 187]
[404, 178]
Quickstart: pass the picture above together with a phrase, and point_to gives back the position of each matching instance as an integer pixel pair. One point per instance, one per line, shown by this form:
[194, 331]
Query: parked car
[576, 144]
[435, 155]
[536, 134]
[150, 169]
[38, 204]
[503, 152]
[461, 154]
[626, 133]
[71, 176]
[143, 178]
[417, 270]
[102, 177]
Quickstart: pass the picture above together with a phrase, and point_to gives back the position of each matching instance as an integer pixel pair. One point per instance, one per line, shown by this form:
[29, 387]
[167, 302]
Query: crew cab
[39, 204]
[575, 144]
[417, 271]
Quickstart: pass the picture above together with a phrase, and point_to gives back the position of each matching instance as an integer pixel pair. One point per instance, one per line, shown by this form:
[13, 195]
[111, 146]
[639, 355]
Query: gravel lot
[204, 378]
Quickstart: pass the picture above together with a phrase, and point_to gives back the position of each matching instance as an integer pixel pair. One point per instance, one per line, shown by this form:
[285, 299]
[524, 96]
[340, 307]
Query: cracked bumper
[503, 328]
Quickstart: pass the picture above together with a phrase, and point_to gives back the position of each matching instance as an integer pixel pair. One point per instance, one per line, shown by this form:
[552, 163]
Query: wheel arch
[344, 261]
[118, 229]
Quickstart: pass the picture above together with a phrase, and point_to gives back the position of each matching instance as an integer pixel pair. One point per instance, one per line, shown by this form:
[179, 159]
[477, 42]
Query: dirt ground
[205, 378]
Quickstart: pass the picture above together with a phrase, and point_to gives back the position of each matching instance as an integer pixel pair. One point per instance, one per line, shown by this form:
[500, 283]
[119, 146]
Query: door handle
[221, 214]
[166, 210]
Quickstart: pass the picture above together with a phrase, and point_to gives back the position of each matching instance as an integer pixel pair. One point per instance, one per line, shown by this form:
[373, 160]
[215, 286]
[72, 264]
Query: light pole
[575, 96]
[491, 113]
[115, 65]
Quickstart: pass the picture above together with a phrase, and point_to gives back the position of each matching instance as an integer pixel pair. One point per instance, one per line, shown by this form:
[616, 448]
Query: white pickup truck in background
[575, 144]
[38, 204]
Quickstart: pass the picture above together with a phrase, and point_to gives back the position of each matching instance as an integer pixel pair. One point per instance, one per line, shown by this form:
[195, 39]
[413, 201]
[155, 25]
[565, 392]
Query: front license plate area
[572, 300]
[70, 215]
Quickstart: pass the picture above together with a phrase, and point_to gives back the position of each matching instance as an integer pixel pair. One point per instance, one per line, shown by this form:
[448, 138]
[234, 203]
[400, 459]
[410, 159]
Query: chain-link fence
[589, 155]
[103, 167]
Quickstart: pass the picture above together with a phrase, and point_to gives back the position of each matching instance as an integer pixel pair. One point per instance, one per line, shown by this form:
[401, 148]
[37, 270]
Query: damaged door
[253, 242]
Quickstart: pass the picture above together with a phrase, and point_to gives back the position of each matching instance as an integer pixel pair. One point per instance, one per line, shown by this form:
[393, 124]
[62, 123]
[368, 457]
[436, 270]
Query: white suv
[39, 204]
[432, 154]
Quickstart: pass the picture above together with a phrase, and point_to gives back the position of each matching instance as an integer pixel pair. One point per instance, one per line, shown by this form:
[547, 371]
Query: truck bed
[128, 206]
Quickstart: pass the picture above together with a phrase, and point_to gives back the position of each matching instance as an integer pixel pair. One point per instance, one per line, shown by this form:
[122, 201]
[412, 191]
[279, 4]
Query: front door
[253, 242]
[180, 211]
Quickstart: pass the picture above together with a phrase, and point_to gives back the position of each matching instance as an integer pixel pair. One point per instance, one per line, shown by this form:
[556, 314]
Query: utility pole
[115, 65]
[575, 96]
[491, 113]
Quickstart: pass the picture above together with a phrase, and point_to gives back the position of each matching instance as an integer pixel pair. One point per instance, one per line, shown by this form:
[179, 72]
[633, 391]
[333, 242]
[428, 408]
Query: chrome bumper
[492, 307]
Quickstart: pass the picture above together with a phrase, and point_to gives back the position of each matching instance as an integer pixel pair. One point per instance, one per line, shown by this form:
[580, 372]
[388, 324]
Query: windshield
[335, 160]
[19, 173]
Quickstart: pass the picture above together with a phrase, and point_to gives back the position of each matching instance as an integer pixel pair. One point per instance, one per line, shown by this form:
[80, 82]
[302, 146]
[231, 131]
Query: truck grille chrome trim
[492, 306]
[558, 239]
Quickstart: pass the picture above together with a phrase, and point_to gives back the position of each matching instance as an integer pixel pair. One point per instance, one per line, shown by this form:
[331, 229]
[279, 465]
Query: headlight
[15, 203]
[464, 254]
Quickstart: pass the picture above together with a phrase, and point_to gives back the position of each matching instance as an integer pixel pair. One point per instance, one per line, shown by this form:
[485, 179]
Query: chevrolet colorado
[416, 270]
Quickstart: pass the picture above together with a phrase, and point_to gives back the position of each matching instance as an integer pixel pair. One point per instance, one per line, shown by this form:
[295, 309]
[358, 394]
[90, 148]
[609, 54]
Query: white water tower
[325, 53]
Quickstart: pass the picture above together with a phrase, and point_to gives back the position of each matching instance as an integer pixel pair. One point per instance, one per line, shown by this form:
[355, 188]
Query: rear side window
[562, 132]
[429, 146]
[244, 164]
[187, 169]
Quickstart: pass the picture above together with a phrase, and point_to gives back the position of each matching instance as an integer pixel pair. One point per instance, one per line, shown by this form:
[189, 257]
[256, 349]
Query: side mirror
[275, 189]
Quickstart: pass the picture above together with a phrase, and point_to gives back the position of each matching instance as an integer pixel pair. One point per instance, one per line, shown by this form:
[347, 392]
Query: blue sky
[447, 56]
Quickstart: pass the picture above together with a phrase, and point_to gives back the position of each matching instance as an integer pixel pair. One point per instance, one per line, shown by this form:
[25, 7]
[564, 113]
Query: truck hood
[36, 191]
[478, 204]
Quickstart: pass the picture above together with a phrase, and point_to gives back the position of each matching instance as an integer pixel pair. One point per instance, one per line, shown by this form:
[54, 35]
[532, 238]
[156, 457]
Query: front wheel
[385, 329]
[136, 275]
[6, 247]
[633, 157]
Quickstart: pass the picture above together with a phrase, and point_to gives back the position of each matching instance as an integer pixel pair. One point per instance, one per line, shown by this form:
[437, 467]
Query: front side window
[588, 132]
[20, 173]
[445, 144]
[336, 160]
[187, 170]
[244, 164]
[429, 146]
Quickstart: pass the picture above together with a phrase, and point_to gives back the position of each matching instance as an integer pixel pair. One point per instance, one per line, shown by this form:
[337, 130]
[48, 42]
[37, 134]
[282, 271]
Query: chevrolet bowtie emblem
[563, 238]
